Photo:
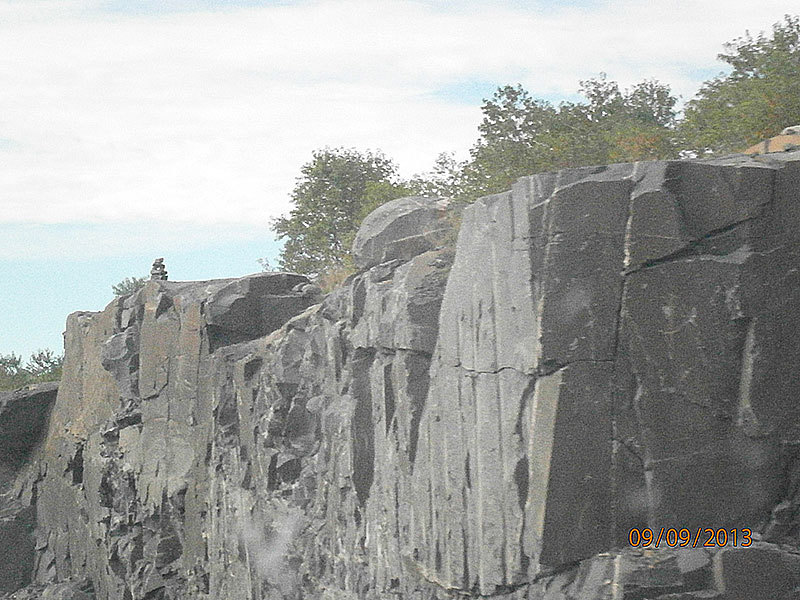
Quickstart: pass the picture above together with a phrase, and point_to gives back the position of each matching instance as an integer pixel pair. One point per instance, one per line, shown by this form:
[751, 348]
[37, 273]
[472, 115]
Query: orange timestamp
[705, 537]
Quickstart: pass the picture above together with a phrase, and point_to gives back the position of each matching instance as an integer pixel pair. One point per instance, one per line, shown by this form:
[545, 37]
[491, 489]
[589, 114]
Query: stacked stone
[158, 272]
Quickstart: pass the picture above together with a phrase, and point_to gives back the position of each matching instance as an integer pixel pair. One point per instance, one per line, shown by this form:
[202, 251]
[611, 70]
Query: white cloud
[82, 241]
[206, 117]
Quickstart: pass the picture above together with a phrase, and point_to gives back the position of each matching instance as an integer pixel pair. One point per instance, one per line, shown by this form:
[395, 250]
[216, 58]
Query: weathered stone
[400, 229]
[23, 422]
[489, 320]
[138, 451]
[676, 318]
[609, 348]
[760, 571]
[404, 310]
[581, 278]
[684, 208]
[717, 194]
[66, 590]
[120, 357]
[16, 553]
[252, 307]
[570, 470]
[158, 272]
[666, 572]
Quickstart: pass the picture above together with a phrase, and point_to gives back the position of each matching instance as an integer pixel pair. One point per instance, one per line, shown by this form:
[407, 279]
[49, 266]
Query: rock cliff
[602, 350]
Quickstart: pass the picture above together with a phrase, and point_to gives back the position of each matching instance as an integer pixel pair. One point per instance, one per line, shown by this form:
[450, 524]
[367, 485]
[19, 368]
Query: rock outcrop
[400, 230]
[23, 422]
[605, 351]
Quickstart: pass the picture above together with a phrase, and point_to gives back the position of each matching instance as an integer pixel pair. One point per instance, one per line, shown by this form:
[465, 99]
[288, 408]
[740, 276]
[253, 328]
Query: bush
[42, 366]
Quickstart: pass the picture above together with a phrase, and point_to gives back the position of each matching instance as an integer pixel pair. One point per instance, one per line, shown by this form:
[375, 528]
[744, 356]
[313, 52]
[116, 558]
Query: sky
[137, 129]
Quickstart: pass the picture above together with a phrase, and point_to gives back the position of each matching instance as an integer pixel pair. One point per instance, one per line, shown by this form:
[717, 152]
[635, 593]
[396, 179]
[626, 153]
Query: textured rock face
[23, 422]
[605, 349]
[401, 230]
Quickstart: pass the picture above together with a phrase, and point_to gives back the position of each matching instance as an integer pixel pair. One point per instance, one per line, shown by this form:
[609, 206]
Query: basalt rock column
[123, 489]
[614, 352]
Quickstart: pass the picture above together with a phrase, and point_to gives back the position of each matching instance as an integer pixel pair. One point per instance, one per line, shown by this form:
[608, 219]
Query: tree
[266, 265]
[336, 190]
[513, 141]
[42, 366]
[445, 179]
[756, 100]
[12, 373]
[128, 286]
[45, 363]
[520, 135]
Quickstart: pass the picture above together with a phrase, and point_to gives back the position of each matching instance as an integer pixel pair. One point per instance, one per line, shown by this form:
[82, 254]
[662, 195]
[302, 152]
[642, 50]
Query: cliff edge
[606, 352]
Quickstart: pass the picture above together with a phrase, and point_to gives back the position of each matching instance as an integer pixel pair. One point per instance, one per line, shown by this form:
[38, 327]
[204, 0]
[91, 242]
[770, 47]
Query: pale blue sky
[131, 130]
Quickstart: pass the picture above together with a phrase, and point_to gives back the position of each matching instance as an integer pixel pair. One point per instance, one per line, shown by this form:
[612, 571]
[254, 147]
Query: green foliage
[42, 366]
[513, 140]
[756, 100]
[12, 373]
[520, 135]
[445, 179]
[128, 286]
[266, 265]
[337, 188]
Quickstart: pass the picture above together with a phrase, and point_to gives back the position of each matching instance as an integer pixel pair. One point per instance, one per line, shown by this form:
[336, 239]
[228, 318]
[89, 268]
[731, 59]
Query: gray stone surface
[760, 571]
[23, 423]
[604, 349]
[400, 229]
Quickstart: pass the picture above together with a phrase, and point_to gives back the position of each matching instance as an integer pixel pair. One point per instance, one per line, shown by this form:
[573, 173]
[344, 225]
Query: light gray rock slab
[400, 229]
[570, 479]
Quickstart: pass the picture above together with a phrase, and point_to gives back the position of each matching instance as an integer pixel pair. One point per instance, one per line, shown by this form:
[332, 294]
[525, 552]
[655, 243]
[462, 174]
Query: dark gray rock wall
[605, 349]
[24, 417]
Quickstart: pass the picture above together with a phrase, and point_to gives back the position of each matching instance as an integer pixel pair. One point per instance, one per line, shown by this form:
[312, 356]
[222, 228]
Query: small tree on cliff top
[43, 365]
[337, 188]
[129, 285]
[521, 135]
[756, 100]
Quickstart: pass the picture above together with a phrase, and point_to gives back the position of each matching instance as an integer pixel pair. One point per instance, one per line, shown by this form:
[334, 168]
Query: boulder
[400, 229]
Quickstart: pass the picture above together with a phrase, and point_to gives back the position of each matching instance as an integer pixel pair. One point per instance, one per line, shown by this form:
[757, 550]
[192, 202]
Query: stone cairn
[159, 271]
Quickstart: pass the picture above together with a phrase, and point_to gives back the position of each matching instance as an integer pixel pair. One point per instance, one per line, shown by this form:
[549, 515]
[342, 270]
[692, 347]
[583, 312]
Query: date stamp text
[702, 537]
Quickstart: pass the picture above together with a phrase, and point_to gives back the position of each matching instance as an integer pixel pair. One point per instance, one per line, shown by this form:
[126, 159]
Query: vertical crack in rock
[502, 439]
[251, 369]
[465, 582]
[619, 410]
[363, 427]
[75, 465]
[500, 435]
[417, 367]
[227, 412]
[746, 418]
[359, 299]
[521, 480]
[388, 396]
